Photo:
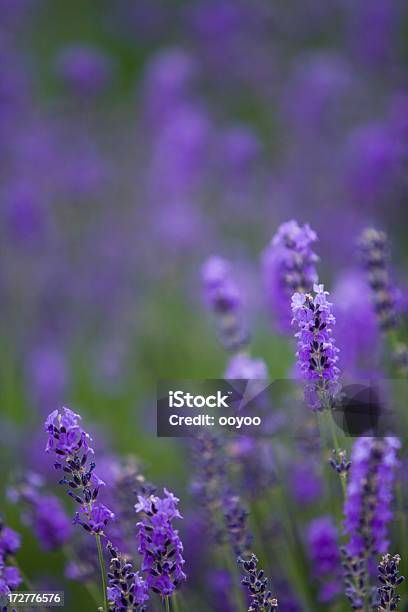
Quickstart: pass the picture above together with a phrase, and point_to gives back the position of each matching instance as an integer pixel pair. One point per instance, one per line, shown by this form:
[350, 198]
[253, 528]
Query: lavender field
[195, 190]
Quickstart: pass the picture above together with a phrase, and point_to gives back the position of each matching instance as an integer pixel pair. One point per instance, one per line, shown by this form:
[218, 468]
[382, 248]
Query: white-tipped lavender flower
[71, 445]
[316, 354]
[289, 266]
[159, 543]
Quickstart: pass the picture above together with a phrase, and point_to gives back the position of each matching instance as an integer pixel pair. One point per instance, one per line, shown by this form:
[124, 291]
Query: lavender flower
[357, 334]
[374, 251]
[316, 350]
[223, 297]
[355, 580]
[159, 543]
[127, 590]
[367, 509]
[236, 522]
[325, 556]
[289, 266]
[43, 512]
[209, 484]
[10, 540]
[340, 463]
[243, 366]
[9, 574]
[84, 69]
[71, 445]
[261, 599]
[390, 579]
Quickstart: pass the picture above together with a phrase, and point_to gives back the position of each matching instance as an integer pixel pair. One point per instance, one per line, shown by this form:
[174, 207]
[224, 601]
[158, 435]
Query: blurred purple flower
[244, 366]
[306, 482]
[374, 252]
[85, 69]
[240, 149]
[9, 544]
[223, 297]
[47, 375]
[25, 214]
[372, 162]
[316, 92]
[180, 156]
[367, 508]
[356, 328]
[42, 511]
[373, 29]
[288, 266]
[169, 80]
[10, 540]
[9, 578]
[324, 553]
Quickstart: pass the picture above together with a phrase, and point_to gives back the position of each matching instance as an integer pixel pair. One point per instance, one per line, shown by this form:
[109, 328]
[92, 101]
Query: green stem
[237, 590]
[337, 449]
[167, 602]
[102, 566]
[174, 601]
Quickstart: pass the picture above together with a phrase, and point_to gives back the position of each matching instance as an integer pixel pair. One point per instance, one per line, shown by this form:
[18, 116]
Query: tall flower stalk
[71, 446]
[367, 512]
[10, 577]
[127, 590]
[374, 251]
[160, 544]
[223, 297]
[317, 354]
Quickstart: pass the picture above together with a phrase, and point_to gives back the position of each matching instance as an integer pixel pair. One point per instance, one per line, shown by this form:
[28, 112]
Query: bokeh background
[136, 139]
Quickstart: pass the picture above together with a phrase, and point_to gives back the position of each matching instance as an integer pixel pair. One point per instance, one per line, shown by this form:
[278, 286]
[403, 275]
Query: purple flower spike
[243, 366]
[221, 293]
[367, 509]
[10, 541]
[325, 555]
[159, 543]
[289, 266]
[9, 544]
[127, 590]
[257, 584]
[374, 250]
[389, 579]
[223, 297]
[316, 351]
[43, 512]
[86, 70]
[71, 445]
